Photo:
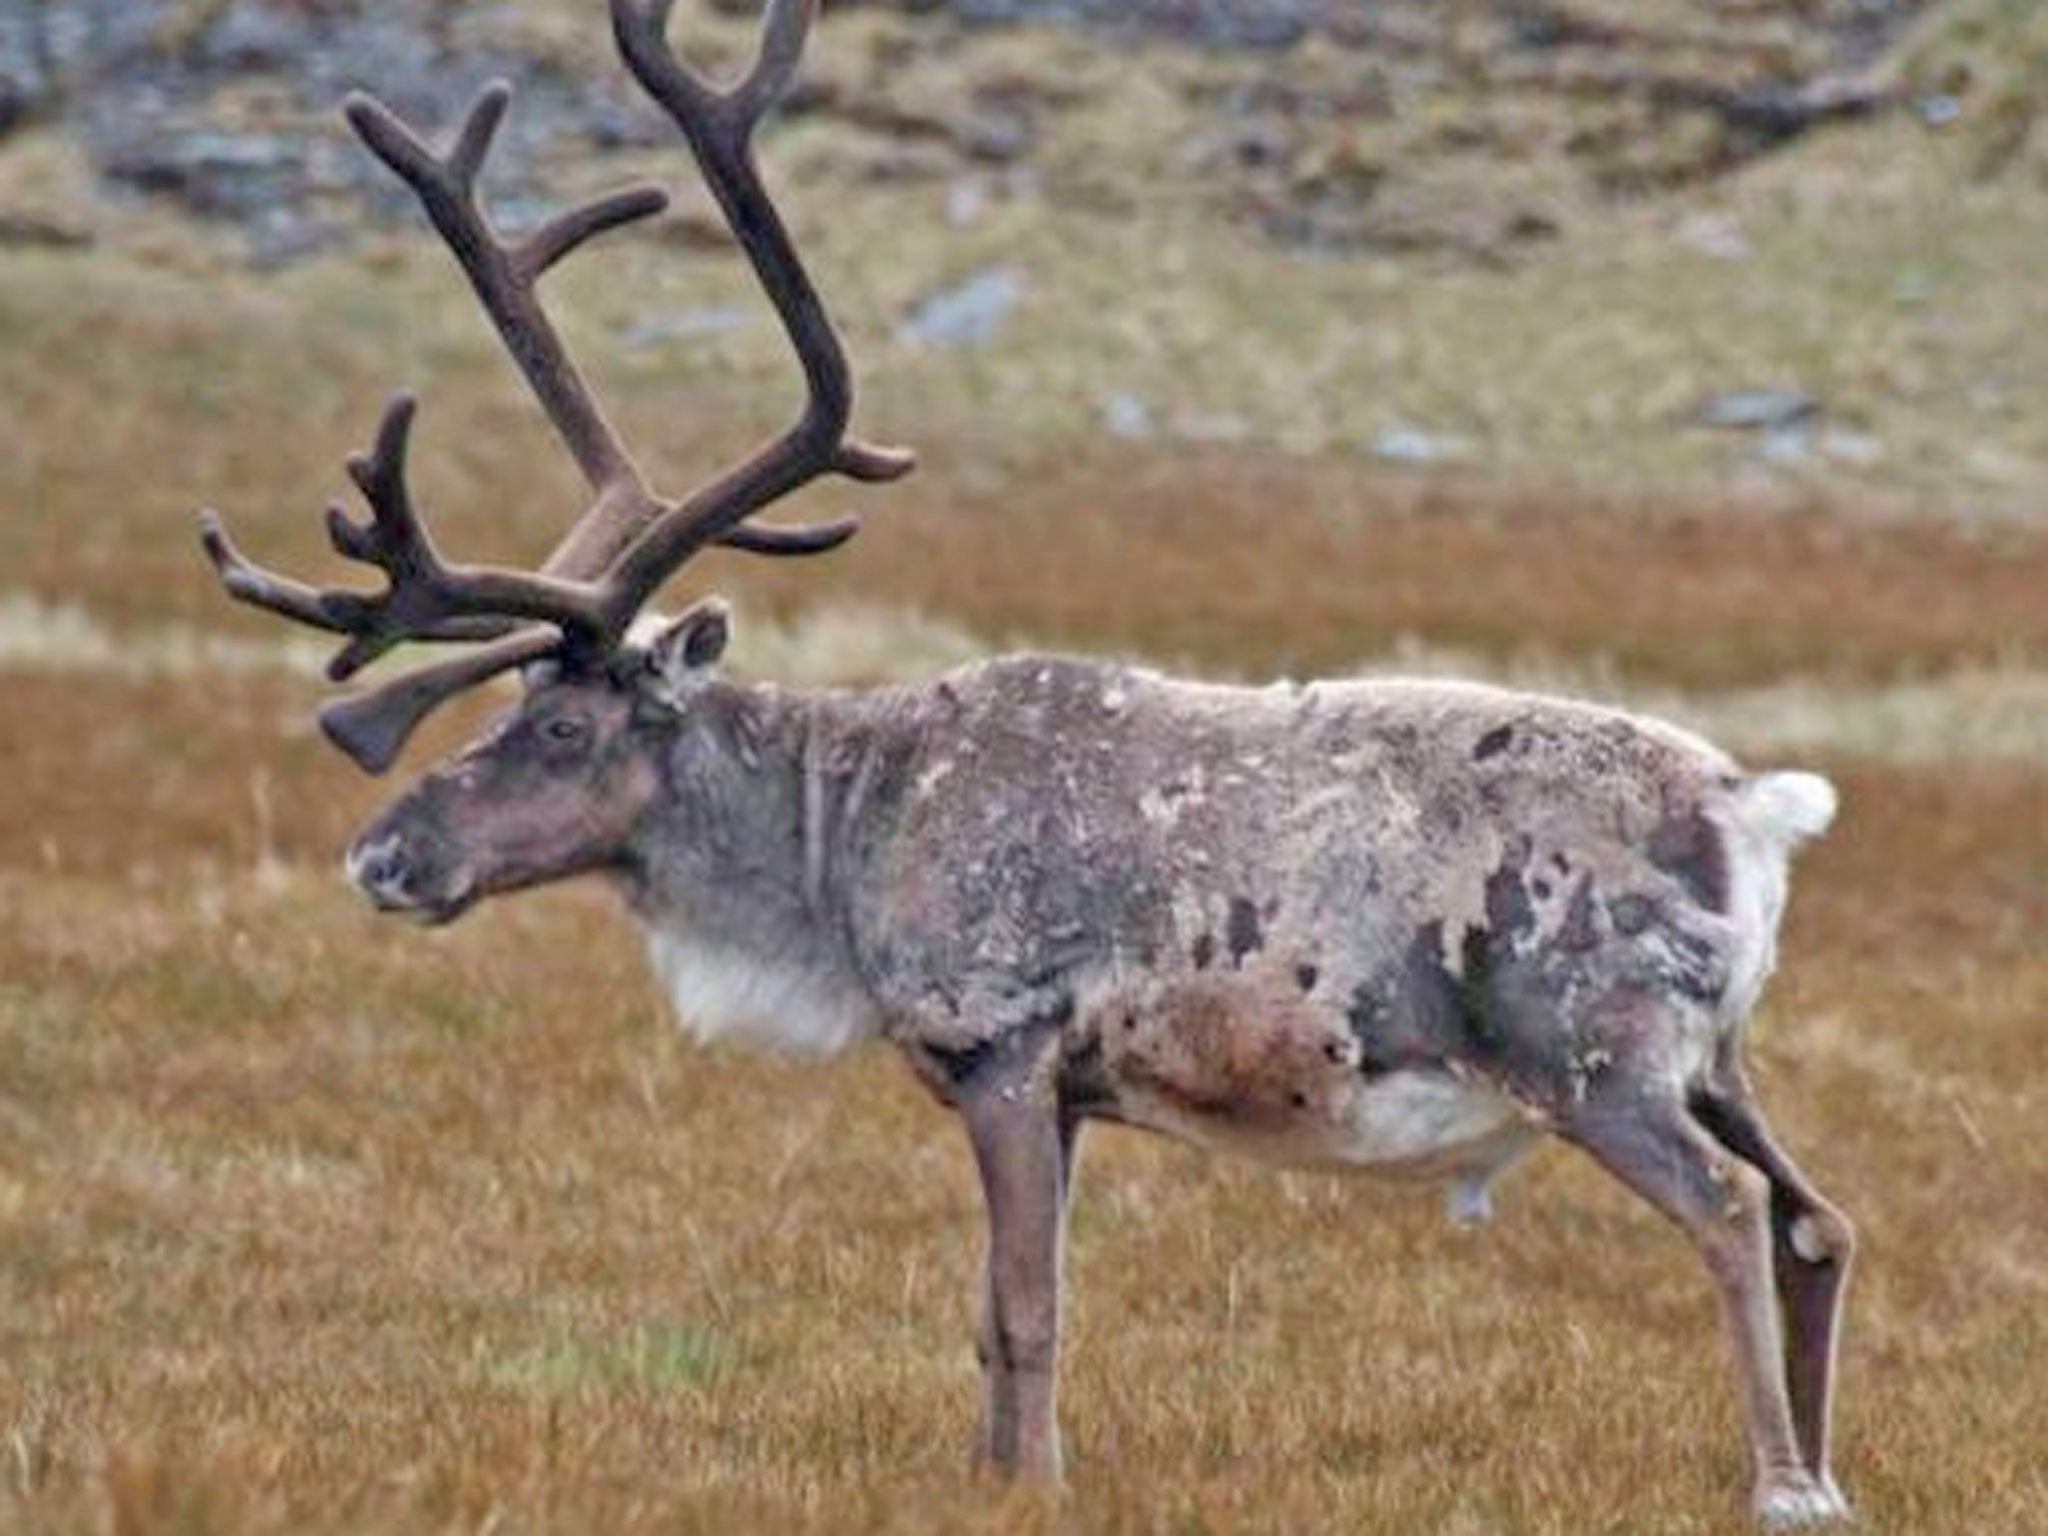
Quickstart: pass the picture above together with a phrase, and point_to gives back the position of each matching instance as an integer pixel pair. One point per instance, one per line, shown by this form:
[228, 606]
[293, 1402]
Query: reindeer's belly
[1227, 1061]
[1413, 1124]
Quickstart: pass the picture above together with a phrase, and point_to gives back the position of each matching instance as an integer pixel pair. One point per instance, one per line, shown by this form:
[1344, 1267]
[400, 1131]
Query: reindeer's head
[557, 785]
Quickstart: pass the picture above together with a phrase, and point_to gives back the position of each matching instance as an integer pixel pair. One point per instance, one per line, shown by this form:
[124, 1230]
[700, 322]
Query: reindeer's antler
[629, 541]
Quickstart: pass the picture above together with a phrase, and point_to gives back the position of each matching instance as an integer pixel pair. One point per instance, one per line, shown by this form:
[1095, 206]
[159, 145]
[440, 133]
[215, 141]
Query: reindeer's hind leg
[1649, 1141]
[1812, 1244]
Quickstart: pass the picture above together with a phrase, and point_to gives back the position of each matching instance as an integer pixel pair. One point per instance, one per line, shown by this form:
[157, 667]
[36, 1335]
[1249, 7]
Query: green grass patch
[655, 1357]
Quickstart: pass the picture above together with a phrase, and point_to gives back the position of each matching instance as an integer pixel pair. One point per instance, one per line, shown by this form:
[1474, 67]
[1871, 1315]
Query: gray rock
[216, 175]
[1261, 24]
[1786, 443]
[1411, 445]
[1756, 410]
[280, 236]
[156, 90]
[27, 76]
[253, 36]
[173, 122]
[1939, 111]
[686, 325]
[968, 314]
[1125, 415]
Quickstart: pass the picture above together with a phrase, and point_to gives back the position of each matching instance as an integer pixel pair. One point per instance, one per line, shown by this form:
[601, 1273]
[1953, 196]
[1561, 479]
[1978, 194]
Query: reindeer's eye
[564, 731]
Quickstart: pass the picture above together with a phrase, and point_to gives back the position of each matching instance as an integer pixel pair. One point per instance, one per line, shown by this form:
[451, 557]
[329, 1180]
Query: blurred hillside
[1784, 246]
[1331, 127]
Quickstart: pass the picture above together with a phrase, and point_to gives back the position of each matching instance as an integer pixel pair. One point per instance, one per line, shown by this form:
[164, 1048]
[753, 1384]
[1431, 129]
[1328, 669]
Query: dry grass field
[310, 1222]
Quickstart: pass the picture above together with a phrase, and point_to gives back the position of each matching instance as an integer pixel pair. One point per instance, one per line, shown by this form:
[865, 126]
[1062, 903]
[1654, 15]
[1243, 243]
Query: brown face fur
[552, 789]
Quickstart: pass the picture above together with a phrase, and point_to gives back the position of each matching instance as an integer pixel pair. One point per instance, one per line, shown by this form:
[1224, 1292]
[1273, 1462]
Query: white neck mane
[720, 992]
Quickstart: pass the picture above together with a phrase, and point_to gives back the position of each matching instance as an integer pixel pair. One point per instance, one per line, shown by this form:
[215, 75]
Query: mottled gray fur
[1403, 925]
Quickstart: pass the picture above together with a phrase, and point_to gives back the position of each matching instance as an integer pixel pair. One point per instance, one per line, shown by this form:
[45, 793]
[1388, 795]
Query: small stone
[968, 314]
[1939, 111]
[1756, 410]
[1125, 415]
[685, 325]
[1789, 444]
[1412, 445]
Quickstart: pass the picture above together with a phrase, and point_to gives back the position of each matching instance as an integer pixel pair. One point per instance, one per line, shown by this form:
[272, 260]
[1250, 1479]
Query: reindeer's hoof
[1834, 1491]
[1801, 1501]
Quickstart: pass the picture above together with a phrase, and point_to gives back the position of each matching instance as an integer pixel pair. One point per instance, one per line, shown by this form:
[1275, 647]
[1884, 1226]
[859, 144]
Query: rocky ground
[1327, 124]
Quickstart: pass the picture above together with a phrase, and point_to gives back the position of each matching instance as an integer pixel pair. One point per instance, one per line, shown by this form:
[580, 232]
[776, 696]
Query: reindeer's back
[1065, 814]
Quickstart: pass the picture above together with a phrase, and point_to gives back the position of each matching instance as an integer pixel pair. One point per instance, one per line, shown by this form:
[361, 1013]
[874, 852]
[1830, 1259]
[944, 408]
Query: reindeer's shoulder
[1026, 679]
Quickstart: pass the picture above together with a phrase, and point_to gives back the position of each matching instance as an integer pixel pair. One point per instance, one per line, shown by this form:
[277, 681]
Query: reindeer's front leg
[1023, 1145]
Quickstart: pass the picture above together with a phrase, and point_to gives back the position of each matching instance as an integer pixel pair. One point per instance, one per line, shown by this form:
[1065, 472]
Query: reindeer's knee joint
[1822, 1237]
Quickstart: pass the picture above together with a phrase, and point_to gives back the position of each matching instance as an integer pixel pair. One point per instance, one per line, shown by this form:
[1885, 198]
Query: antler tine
[719, 127]
[814, 540]
[784, 30]
[566, 231]
[247, 582]
[336, 612]
[504, 277]
[427, 598]
[394, 540]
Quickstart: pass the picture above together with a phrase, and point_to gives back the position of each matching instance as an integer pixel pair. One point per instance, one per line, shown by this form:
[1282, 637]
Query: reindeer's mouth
[436, 913]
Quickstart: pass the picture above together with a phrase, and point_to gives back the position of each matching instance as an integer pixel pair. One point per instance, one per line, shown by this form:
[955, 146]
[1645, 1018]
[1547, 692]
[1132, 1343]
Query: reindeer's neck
[745, 873]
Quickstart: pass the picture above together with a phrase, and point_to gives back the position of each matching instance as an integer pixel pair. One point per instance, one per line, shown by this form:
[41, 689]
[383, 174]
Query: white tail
[1787, 808]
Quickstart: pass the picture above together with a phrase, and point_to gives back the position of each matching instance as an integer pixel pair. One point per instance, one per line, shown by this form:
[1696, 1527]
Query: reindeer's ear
[682, 655]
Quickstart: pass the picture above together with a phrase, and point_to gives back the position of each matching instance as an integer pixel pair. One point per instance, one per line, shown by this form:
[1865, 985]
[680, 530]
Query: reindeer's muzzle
[411, 875]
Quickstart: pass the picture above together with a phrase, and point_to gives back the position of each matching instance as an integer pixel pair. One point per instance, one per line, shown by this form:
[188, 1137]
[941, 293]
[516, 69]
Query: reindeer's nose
[381, 872]
[412, 873]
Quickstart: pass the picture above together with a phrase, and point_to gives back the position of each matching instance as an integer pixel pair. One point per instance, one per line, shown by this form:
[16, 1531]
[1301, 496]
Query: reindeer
[1404, 926]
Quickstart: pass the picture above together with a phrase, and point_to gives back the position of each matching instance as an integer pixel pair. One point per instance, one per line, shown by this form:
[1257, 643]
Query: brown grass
[309, 1223]
[312, 1223]
[1311, 565]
